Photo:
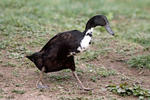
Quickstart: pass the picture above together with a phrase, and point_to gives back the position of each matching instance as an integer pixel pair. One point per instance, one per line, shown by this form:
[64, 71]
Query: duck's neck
[89, 27]
[88, 32]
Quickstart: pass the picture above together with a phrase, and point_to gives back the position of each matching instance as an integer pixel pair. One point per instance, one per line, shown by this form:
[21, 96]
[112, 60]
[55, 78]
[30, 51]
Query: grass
[140, 61]
[79, 98]
[125, 89]
[26, 25]
[89, 55]
[15, 73]
[59, 78]
[1, 90]
[1, 96]
[34, 22]
[9, 64]
[100, 70]
[18, 91]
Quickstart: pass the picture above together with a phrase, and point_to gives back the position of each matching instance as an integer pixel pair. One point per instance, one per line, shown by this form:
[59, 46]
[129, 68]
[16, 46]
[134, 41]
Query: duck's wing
[50, 42]
[69, 39]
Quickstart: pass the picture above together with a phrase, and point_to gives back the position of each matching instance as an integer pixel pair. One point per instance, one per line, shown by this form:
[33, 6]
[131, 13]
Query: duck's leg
[71, 64]
[39, 83]
[80, 83]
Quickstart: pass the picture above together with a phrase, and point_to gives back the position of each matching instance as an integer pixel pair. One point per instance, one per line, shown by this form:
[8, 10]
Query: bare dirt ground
[19, 83]
[26, 26]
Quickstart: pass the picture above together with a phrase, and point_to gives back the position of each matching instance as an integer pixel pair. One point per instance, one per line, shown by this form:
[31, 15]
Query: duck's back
[68, 38]
[56, 50]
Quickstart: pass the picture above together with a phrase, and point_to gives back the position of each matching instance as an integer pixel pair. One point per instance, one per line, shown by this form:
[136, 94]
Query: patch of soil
[24, 79]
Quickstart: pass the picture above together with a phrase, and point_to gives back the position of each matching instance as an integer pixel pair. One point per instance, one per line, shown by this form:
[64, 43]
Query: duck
[59, 52]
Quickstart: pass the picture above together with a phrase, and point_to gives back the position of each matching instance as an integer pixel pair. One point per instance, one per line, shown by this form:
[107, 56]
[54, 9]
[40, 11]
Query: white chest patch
[84, 44]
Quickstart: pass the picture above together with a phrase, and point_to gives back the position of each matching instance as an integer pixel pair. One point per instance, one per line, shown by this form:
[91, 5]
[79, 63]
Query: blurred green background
[29, 24]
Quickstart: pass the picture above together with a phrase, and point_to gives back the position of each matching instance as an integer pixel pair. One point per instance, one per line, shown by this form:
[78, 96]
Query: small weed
[19, 85]
[89, 55]
[146, 49]
[3, 44]
[1, 96]
[37, 71]
[74, 98]
[93, 79]
[15, 73]
[140, 61]
[59, 78]
[105, 72]
[18, 91]
[79, 71]
[91, 67]
[10, 64]
[99, 71]
[126, 90]
[15, 55]
[66, 71]
[141, 38]
[1, 90]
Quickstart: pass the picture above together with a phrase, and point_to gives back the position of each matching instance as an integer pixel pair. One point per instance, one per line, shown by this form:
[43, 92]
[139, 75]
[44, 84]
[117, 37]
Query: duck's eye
[89, 34]
[90, 42]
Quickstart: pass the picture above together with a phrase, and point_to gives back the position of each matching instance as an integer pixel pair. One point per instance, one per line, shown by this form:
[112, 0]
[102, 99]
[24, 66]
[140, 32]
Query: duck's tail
[36, 58]
[30, 57]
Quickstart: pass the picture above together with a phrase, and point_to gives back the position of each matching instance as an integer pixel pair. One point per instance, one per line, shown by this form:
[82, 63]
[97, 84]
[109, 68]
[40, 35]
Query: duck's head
[99, 20]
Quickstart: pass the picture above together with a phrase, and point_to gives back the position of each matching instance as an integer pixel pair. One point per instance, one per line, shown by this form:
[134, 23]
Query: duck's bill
[109, 30]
